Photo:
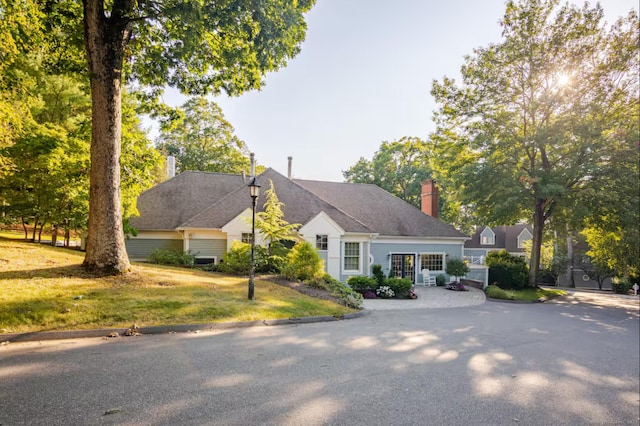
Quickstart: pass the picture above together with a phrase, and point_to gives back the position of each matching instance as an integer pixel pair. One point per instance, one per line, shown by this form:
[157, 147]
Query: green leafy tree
[597, 269]
[399, 167]
[271, 223]
[201, 139]
[197, 47]
[535, 115]
[609, 248]
[456, 267]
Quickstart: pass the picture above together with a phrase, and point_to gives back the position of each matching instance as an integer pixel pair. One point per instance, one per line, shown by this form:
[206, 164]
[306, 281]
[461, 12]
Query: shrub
[275, 258]
[400, 286]
[456, 267]
[547, 276]
[506, 270]
[495, 292]
[369, 294]
[378, 275]
[345, 293]
[361, 283]
[456, 286]
[238, 259]
[385, 292]
[303, 262]
[171, 257]
[620, 285]
[441, 280]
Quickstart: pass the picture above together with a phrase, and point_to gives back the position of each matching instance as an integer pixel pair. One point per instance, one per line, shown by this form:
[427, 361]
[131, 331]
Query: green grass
[524, 295]
[45, 288]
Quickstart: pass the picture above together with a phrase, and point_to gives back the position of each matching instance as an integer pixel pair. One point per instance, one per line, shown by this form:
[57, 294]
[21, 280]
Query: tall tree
[271, 222]
[201, 139]
[534, 117]
[198, 47]
[398, 167]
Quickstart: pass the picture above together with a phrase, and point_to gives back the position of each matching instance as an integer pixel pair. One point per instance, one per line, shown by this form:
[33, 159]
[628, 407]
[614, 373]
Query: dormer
[487, 237]
[524, 236]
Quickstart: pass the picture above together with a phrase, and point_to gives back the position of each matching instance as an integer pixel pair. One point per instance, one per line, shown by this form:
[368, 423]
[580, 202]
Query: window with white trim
[432, 261]
[322, 242]
[524, 236]
[487, 237]
[351, 258]
[246, 237]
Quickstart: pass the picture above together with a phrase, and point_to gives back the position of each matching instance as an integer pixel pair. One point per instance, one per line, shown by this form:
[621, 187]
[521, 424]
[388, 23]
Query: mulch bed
[318, 293]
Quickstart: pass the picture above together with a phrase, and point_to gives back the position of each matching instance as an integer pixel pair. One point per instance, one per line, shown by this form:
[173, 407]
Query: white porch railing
[475, 260]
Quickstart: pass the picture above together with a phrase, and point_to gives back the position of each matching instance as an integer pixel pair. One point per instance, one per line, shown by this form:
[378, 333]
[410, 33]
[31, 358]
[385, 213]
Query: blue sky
[363, 77]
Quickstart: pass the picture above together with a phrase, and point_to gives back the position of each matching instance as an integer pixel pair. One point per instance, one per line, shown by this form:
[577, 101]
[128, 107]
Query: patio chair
[427, 279]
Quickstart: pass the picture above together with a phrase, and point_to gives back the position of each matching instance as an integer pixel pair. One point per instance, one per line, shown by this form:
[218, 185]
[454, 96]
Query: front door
[403, 266]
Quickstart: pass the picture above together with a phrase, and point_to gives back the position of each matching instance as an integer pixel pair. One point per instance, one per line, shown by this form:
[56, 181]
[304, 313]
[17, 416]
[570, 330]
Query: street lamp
[254, 191]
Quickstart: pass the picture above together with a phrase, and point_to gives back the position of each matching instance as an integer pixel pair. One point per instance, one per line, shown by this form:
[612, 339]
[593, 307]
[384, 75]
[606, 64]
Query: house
[353, 226]
[486, 239]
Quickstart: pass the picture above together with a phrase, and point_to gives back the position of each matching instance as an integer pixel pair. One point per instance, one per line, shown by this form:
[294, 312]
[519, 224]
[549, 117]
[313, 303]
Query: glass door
[403, 266]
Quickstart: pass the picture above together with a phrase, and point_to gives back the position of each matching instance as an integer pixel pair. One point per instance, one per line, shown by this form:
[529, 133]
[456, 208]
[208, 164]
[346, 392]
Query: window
[487, 237]
[246, 237]
[524, 236]
[432, 262]
[322, 242]
[351, 256]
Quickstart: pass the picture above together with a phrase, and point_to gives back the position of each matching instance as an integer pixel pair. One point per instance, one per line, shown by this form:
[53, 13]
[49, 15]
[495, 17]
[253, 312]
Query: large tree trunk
[538, 226]
[105, 41]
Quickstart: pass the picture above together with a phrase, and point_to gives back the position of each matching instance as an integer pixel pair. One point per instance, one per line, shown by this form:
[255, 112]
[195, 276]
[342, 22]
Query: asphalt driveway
[571, 362]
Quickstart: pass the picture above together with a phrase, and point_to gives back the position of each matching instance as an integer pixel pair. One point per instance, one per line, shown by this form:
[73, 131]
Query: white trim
[418, 240]
[342, 256]
[491, 238]
[519, 244]
[444, 261]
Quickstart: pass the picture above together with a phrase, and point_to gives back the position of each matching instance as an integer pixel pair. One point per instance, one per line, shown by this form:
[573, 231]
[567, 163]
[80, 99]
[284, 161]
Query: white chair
[427, 279]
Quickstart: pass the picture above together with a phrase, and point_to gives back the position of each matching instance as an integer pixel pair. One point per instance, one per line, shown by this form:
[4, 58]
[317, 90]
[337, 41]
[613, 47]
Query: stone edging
[165, 329]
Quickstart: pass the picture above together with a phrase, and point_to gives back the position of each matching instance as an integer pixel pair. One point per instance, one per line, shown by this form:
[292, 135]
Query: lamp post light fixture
[254, 191]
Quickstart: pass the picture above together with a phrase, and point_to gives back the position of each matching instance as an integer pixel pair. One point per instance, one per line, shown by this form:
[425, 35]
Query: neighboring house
[353, 226]
[486, 239]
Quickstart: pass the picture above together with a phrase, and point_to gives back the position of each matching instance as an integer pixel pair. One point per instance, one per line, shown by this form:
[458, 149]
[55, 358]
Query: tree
[535, 116]
[613, 249]
[399, 167]
[197, 47]
[597, 269]
[201, 139]
[457, 267]
[271, 223]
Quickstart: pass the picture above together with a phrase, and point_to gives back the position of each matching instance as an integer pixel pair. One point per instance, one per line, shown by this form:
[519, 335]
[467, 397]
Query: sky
[363, 76]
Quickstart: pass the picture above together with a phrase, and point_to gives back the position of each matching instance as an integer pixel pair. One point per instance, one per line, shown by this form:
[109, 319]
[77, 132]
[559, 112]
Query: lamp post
[254, 190]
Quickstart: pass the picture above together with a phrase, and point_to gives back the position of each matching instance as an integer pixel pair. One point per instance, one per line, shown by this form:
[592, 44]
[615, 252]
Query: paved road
[572, 362]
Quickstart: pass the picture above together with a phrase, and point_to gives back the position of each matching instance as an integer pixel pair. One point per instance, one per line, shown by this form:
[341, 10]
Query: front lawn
[524, 295]
[43, 288]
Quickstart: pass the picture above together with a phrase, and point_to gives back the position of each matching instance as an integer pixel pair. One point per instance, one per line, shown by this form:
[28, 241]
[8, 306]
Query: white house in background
[353, 226]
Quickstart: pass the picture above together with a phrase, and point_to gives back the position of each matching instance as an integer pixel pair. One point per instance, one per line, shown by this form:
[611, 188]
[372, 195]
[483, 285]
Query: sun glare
[562, 79]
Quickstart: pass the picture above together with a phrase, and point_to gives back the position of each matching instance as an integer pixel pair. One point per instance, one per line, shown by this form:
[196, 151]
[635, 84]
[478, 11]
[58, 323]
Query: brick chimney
[429, 198]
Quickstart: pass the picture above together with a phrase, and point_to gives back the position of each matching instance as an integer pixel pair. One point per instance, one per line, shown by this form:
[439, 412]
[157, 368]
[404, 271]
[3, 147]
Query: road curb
[166, 329]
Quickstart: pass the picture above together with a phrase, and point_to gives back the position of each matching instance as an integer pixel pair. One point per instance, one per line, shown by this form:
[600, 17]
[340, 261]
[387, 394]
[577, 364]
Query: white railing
[474, 260]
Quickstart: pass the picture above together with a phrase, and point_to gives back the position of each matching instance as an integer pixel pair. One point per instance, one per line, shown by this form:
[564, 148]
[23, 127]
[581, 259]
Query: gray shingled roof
[211, 200]
[506, 238]
[379, 210]
[300, 205]
[169, 204]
